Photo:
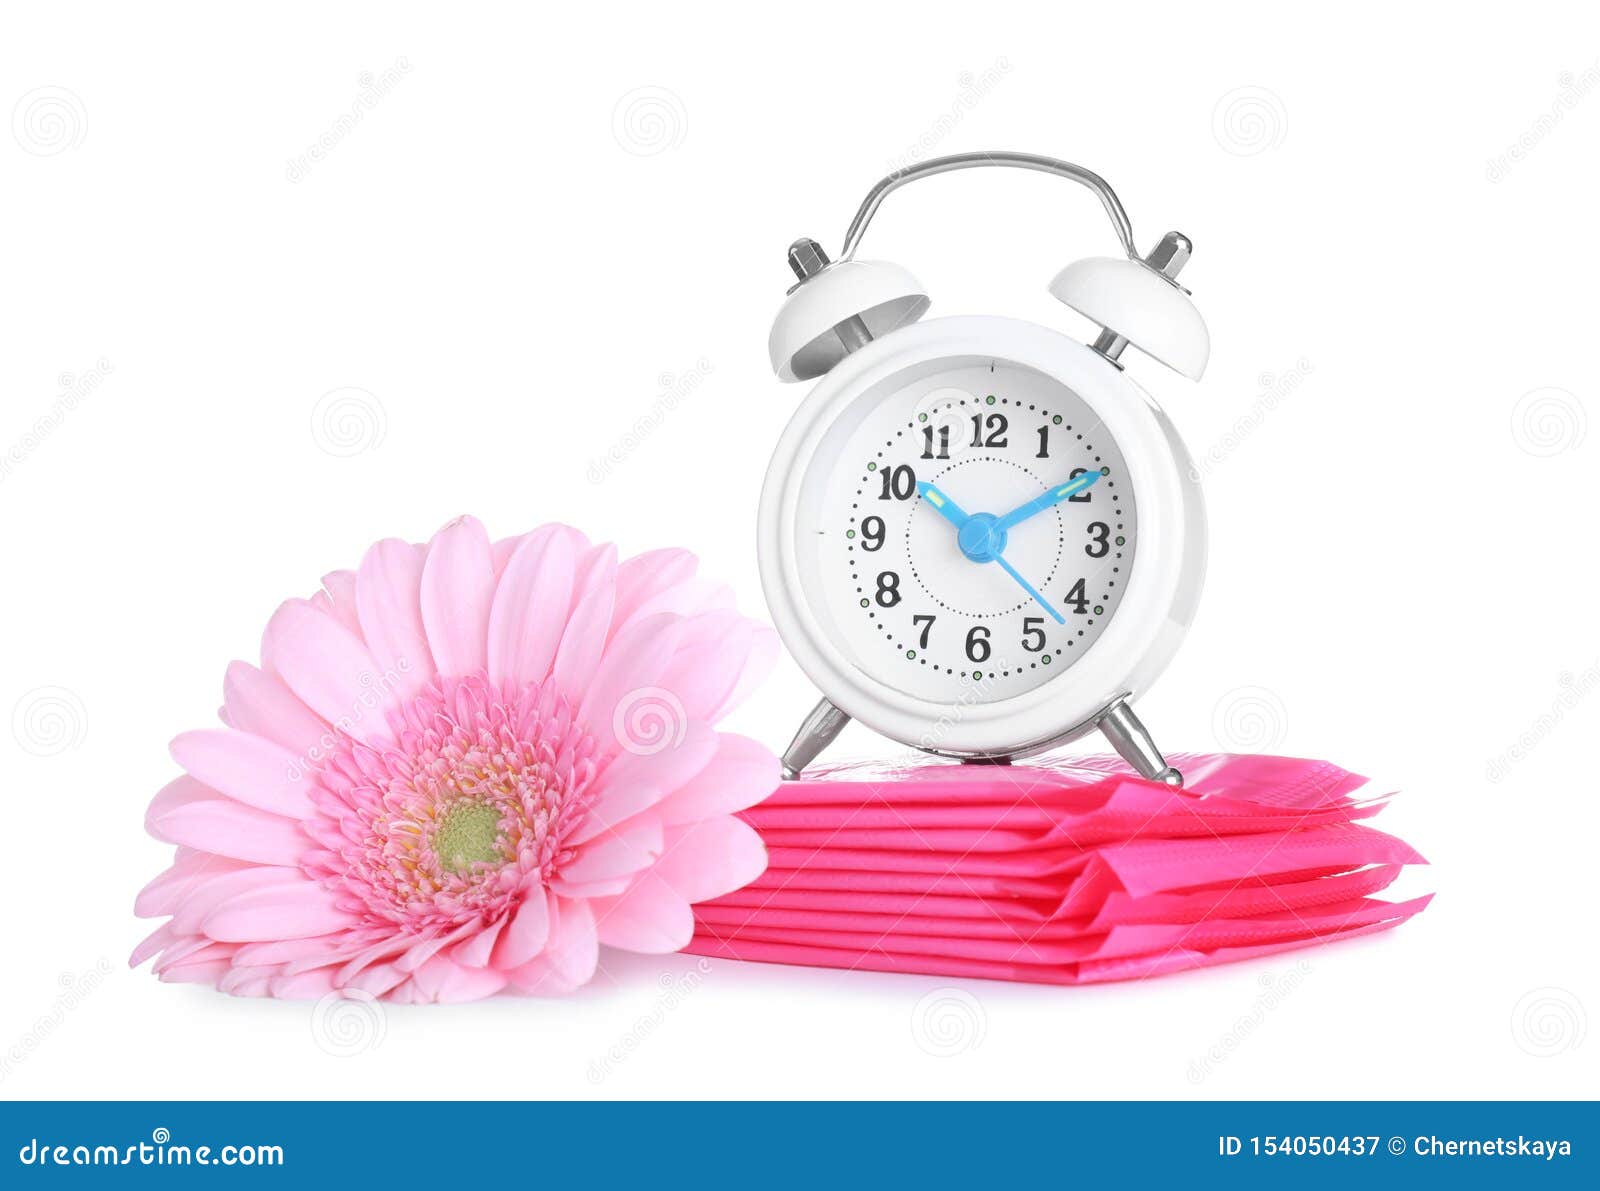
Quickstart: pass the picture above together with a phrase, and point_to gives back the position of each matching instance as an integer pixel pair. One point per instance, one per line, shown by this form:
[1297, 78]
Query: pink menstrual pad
[1060, 872]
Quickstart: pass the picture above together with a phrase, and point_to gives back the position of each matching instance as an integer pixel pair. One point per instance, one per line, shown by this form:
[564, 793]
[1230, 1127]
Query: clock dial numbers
[978, 643]
[888, 589]
[1077, 599]
[970, 560]
[899, 483]
[990, 430]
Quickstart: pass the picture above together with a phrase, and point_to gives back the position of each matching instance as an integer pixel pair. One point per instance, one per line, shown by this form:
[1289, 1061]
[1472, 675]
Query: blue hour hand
[942, 504]
[1050, 499]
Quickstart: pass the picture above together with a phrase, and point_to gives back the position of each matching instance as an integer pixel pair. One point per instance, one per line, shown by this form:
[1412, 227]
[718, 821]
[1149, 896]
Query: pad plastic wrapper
[1063, 872]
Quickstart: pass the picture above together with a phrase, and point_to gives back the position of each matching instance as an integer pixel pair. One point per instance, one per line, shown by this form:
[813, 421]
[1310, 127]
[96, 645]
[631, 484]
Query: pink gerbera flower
[459, 770]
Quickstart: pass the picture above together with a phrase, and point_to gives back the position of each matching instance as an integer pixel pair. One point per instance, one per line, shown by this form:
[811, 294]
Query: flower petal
[501, 552]
[326, 666]
[722, 657]
[206, 896]
[172, 888]
[231, 829]
[762, 655]
[706, 860]
[646, 576]
[339, 590]
[457, 589]
[652, 917]
[245, 982]
[623, 706]
[421, 951]
[178, 793]
[287, 911]
[743, 772]
[302, 986]
[192, 948]
[442, 981]
[374, 981]
[249, 769]
[528, 931]
[154, 943]
[713, 651]
[197, 970]
[570, 955]
[635, 782]
[389, 605]
[530, 605]
[629, 849]
[319, 950]
[582, 890]
[477, 950]
[260, 703]
[594, 593]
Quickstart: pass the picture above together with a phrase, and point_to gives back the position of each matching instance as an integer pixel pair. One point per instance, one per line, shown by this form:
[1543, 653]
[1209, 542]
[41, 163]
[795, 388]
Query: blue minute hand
[1050, 499]
[1028, 587]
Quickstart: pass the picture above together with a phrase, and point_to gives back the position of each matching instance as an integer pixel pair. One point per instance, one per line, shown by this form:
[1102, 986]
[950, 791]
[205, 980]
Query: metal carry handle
[977, 160]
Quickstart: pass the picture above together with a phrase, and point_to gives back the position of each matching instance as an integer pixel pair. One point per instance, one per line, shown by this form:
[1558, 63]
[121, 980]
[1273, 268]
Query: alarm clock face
[977, 534]
[926, 583]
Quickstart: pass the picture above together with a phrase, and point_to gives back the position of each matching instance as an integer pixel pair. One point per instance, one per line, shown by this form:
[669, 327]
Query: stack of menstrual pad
[1060, 872]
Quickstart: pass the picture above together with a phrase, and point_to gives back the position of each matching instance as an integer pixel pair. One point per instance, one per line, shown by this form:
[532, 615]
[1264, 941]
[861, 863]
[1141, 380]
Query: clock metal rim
[1162, 587]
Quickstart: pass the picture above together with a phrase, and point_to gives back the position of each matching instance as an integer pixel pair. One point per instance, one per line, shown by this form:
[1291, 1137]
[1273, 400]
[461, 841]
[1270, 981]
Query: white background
[513, 272]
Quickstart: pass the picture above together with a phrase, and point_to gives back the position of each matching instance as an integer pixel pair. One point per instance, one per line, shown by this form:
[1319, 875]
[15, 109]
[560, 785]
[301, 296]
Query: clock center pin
[981, 539]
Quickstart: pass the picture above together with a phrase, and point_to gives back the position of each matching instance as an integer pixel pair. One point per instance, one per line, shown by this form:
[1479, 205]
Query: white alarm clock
[978, 536]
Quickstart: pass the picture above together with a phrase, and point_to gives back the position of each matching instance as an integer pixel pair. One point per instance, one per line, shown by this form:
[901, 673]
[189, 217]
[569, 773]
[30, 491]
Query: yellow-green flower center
[468, 834]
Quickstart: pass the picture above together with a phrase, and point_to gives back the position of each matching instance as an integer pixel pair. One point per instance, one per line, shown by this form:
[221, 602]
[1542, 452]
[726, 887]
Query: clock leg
[1132, 741]
[826, 721]
[816, 733]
